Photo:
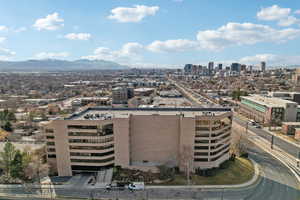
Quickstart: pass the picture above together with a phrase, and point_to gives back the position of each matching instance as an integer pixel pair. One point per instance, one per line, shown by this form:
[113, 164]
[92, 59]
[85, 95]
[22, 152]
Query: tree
[36, 169]
[186, 159]
[6, 157]
[236, 95]
[165, 172]
[35, 166]
[7, 126]
[17, 166]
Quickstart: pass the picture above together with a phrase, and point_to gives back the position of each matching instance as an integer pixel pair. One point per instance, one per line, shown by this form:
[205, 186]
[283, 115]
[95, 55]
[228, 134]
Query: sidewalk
[249, 183]
[282, 137]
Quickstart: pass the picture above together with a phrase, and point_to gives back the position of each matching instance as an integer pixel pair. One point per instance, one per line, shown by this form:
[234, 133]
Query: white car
[136, 186]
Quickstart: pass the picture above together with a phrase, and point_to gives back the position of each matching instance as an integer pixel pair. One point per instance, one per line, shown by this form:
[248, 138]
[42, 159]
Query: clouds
[276, 13]
[50, 22]
[6, 54]
[273, 13]
[2, 39]
[178, 45]
[243, 34]
[132, 14]
[3, 28]
[78, 36]
[51, 55]
[128, 52]
[272, 59]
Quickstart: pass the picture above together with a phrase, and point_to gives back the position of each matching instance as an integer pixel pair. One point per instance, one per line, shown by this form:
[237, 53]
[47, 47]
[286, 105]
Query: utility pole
[298, 162]
[272, 141]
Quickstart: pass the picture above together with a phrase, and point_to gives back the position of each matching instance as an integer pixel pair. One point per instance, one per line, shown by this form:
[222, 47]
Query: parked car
[136, 186]
[115, 186]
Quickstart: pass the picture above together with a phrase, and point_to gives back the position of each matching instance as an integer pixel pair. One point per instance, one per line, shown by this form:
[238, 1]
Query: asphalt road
[276, 183]
[286, 146]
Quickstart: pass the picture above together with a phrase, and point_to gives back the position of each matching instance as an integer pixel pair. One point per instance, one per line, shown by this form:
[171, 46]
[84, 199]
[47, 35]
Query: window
[202, 141]
[93, 160]
[82, 127]
[201, 147]
[50, 143]
[50, 137]
[51, 149]
[201, 154]
[201, 159]
[96, 141]
[51, 156]
[216, 158]
[49, 130]
[202, 128]
[92, 147]
[91, 154]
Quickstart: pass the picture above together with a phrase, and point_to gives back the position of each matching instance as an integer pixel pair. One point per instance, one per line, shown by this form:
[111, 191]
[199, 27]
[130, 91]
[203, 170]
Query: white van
[136, 186]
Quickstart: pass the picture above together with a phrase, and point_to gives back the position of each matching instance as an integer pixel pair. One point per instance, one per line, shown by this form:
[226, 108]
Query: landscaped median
[233, 173]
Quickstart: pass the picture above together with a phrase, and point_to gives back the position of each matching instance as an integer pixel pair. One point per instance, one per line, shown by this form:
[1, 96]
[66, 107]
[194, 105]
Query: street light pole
[272, 141]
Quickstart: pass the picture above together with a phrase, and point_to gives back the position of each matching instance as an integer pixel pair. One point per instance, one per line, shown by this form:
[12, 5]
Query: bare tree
[186, 160]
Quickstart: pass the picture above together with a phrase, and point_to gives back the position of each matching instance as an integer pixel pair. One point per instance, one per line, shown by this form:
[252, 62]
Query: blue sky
[152, 33]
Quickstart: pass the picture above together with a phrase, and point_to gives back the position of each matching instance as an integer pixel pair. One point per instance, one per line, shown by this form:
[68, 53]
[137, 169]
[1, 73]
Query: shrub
[166, 172]
[225, 164]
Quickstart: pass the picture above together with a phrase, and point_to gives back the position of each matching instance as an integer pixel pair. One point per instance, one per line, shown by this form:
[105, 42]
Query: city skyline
[265, 31]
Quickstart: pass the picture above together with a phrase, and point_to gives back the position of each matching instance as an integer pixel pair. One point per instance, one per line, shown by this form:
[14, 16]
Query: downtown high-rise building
[210, 68]
[263, 66]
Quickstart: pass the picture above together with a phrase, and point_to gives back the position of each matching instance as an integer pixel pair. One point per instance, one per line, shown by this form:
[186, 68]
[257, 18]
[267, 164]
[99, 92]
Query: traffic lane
[278, 181]
[286, 146]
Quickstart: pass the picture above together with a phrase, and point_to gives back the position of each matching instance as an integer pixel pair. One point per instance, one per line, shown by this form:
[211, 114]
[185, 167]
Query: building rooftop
[268, 101]
[100, 113]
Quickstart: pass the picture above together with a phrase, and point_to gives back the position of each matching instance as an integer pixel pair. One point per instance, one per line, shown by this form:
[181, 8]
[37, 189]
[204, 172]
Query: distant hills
[49, 65]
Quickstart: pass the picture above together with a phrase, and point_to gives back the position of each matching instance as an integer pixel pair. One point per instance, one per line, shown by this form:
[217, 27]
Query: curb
[254, 179]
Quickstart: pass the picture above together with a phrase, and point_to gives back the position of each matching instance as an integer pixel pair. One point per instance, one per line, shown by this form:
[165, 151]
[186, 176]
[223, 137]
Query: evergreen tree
[7, 126]
[17, 166]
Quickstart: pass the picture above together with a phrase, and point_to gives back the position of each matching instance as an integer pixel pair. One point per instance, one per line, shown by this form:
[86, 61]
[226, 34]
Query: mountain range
[50, 65]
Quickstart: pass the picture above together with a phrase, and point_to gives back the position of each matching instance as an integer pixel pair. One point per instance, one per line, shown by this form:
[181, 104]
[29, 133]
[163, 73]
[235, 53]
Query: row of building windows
[202, 129]
[216, 158]
[91, 154]
[201, 159]
[201, 147]
[50, 136]
[50, 143]
[51, 156]
[88, 134]
[201, 141]
[51, 149]
[212, 134]
[89, 168]
[82, 127]
[212, 159]
[201, 154]
[92, 147]
[216, 152]
[96, 141]
[93, 161]
[211, 141]
[48, 130]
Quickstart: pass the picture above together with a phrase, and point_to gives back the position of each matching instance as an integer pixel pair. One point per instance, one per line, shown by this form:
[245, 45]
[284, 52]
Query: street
[276, 183]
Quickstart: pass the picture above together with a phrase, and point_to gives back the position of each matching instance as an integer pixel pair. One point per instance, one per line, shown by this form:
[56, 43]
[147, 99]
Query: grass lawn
[239, 171]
